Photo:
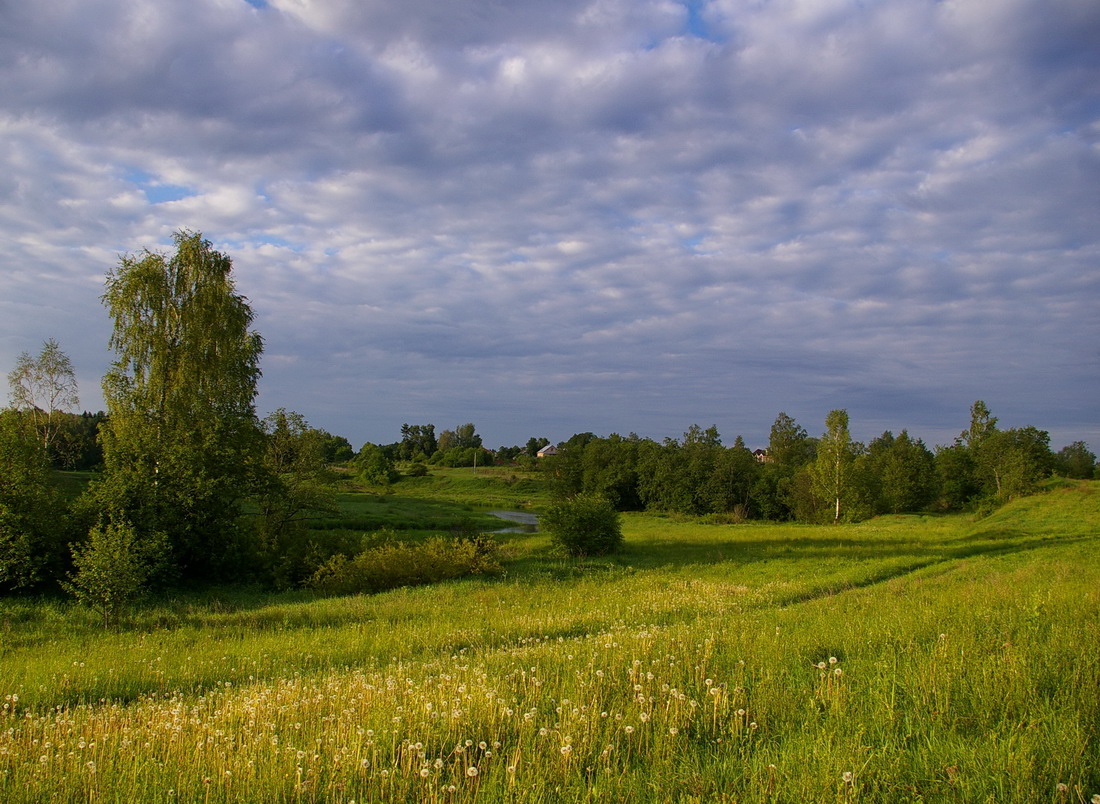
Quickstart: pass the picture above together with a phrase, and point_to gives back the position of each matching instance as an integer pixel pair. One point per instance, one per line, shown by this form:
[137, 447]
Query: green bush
[399, 564]
[114, 567]
[586, 525]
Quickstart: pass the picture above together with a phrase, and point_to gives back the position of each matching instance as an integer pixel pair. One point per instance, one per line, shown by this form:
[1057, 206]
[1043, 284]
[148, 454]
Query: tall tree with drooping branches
[182, 442]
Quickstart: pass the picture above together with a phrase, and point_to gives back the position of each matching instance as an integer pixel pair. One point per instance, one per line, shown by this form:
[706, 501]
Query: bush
[586, 525]
[112, 569]
[394, 565]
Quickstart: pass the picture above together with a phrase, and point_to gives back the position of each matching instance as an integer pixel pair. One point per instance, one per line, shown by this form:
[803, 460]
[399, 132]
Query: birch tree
[832, 471]
[182, 441]
[44, 387]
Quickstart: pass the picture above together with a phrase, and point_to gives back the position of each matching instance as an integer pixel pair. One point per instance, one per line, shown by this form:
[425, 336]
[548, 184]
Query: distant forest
[797, 477]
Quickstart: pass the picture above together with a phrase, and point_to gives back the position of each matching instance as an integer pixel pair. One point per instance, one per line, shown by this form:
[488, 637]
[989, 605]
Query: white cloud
[815, 204]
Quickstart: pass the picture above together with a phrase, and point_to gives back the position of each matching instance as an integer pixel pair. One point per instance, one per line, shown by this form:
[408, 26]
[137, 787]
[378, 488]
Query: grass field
[902, 659]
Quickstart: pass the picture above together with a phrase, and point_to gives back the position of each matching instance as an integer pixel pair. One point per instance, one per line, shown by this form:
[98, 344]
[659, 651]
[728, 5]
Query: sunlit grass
[903, 659]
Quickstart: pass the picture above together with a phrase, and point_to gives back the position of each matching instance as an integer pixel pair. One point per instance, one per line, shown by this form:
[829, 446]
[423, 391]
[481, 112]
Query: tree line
[829, 478]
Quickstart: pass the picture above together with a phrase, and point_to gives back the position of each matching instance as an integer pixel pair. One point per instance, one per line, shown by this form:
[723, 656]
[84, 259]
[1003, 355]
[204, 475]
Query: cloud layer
[605, 215]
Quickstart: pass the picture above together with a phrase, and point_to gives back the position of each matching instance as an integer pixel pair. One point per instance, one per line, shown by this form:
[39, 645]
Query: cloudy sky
[605, 215]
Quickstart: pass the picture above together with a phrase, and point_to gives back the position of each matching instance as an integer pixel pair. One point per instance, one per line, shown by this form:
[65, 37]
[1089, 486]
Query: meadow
[906, 658]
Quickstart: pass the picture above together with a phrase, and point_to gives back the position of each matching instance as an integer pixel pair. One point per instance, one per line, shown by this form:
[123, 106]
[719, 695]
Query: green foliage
[292, 489]
[375, 467]
[113, 568]
[789, 445]
[609, 470]
[462, 456]
[181, 443]
[336, 449]
[418, 442]
[534, 445]
[956, 480]
[29, 505]
[900, 473]
[586, 525]
[1076, 461]
[1010, 463]
[398, 564]
[833, 469]
[76, 445]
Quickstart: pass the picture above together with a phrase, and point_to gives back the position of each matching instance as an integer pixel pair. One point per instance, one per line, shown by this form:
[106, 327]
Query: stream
[525, 522]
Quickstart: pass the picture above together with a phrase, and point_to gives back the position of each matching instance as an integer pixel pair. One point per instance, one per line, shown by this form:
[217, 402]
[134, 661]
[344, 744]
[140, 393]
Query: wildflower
[847, 777]
[472, 771]
[628, 729]
[673, 731]
[1062, 787]
[838, 672]
[566, 750]
[511, 768]
[424, 772]
[1095, 798]
[832, 660]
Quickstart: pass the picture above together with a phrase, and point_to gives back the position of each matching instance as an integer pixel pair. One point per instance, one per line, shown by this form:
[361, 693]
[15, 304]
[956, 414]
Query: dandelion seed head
[472, 771]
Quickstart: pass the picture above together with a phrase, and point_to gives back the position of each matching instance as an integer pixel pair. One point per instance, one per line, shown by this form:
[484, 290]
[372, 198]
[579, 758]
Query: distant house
[761, 456]
[547, 451]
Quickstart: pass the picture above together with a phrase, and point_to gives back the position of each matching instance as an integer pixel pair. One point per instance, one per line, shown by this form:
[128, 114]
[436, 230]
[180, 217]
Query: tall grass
[903, 659]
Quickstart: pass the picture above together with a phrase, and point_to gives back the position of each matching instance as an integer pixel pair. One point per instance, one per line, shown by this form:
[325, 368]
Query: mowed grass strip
[903, 659]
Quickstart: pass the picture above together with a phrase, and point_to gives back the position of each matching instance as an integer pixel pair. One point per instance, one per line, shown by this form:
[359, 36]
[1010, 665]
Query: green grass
[486, 487]
[684, 669]
[365, 511]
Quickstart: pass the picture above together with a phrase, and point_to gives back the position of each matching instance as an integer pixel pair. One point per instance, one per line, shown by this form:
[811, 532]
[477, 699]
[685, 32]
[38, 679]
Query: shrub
[112, 569]
[399, 564]
[586, 525]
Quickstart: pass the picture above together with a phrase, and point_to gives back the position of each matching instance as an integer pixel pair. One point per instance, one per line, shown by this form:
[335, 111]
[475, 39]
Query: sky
[582, 215]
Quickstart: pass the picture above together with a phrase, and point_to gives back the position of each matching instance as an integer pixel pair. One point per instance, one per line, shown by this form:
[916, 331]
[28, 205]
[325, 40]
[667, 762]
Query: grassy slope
[967, 651]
